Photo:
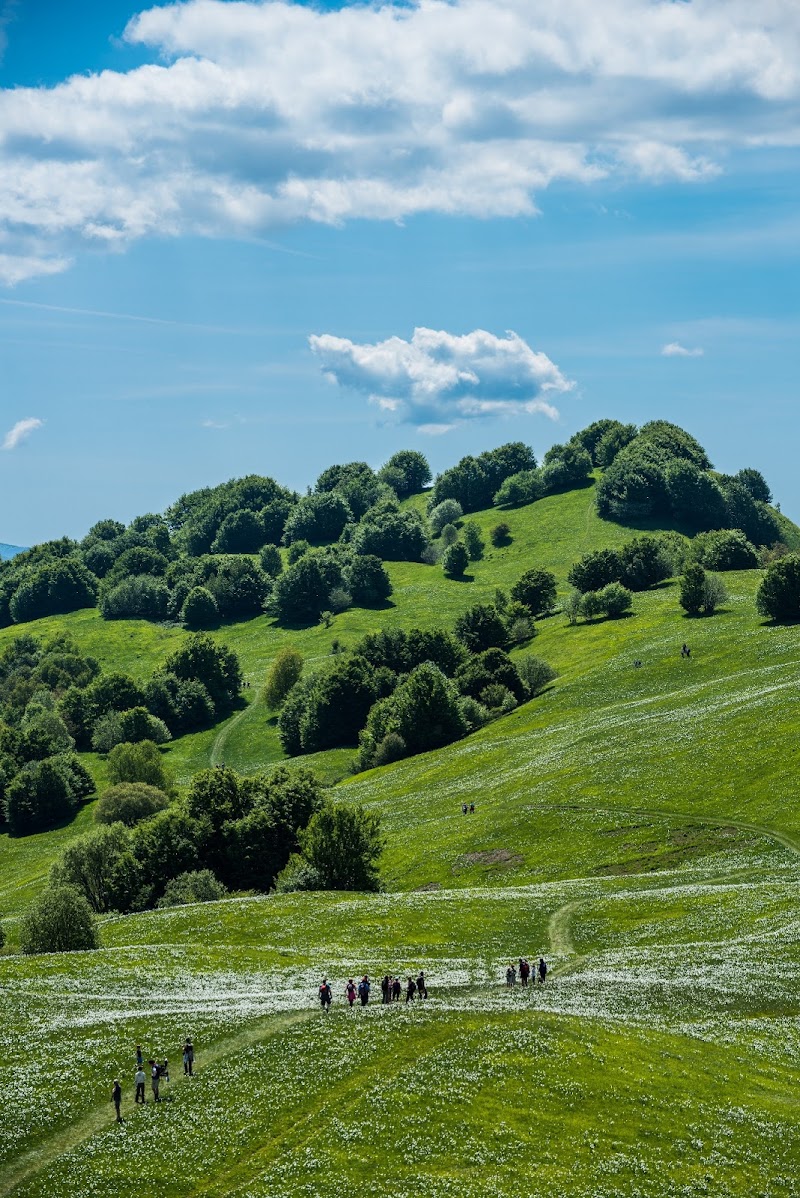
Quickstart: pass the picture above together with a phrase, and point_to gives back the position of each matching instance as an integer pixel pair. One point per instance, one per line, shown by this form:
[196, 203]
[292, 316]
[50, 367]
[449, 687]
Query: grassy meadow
[638, 826]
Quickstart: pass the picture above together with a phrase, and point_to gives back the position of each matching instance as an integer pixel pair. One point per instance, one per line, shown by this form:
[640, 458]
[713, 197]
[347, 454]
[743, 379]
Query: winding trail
[221, 739]
[100, 1118]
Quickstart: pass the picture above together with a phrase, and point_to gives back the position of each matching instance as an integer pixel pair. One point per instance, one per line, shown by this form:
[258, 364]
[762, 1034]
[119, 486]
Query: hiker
[139, 1057]
[397, 990]
[188, 1057]
[511, 976]
[363, 990]
[139, 1078]
[463, 808]
[685, 650]
[165, 1070]
[637, 664]
[325, 995]
[411, 990]
[155, 1079]
[422, 987]
[386, 989]
[116, 1098]
[472, 808]
[350, 991]
[542, 971]
[524, 971]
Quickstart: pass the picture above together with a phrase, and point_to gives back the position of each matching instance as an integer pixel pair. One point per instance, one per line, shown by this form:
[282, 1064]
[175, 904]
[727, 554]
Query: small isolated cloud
[21, 430]
[437, 379]
[675, 350]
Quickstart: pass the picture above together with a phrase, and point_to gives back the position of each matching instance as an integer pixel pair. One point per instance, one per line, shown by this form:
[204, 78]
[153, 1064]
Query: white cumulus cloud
[255, 113]
[21, 431]
[674, 349]
[438, 379]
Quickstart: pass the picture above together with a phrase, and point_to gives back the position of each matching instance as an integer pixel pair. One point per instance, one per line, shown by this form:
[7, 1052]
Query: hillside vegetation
[635, 821]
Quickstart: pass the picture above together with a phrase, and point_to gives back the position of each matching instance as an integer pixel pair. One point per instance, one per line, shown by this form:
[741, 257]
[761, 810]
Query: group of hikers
[526, 974]
[391, 990]
[158, 1072]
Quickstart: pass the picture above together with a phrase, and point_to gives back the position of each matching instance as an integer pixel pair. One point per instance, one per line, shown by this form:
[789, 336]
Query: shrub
[455, 560]
[482, 627]
[645, 561]
[715, 593]
[692, 588]
[343, 844]
[591, 605]
[393, 535]
[284, 672]
[535, 674]
[572, 605]
[425, 710]
[194, 886]
[448, 536]
[778, 595]
[297, 549]
[319, 519]
[200, 609]
[616, 600]
[54, 587]
[138, 763]
[725, 549]
[101, 866]
[140, 597]
[302, 591]
[536, 589]
[473, 540]
[128, 803]
[449, 511]
[518, 489]
[521, 629]
[59, 921]
[497, 699]
[490, 668]
[368, 580]
[339, 600]
[564, 467]
[137, 724]
[500, 534]
[596, 570]
[474, 713]
[391, 748]
[45, 793]
[271, 560]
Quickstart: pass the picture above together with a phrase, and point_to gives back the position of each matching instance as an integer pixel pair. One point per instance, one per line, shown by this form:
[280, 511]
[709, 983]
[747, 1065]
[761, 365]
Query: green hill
[636, 824]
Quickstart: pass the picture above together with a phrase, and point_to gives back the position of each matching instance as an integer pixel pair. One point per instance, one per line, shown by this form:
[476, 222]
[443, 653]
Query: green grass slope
[638, 826]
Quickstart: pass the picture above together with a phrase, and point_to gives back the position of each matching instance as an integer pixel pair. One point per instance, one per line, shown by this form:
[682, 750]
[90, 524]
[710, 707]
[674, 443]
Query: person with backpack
[139, 1078]
[188, 1058]
[411, 989]
[139, 1057]
[422, 988]
[524, 971]
[116, 1098]
[363, 990]
[397, 990]
[511, 976]
[542, 971]
[325, 995]
[350, 991]
[386, 989]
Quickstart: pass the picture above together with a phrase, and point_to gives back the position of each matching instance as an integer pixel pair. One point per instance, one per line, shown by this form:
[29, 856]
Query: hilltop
[637, 824]
[9, 551]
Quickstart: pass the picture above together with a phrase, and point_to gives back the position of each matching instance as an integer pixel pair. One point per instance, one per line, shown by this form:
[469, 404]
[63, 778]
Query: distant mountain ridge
[7, 551]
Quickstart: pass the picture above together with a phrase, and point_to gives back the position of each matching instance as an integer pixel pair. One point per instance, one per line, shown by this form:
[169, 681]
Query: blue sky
[605, 180]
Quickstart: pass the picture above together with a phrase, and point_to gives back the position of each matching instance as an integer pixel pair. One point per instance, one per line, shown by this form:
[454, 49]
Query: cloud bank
[675, 350]
[437, 379]
[255, 113]
[21, 431]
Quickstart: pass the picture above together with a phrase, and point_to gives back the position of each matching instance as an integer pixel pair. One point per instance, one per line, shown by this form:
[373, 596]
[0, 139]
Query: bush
[45, 793]
[482, 627]
[564, 467]
[140, 597]
[368, 580]
[521, 629]
[302, 591]
[447, 512]
[616, 600]
[455, 560]
[778, 595]
[343, 844]
[318, 519]
[535, 674]
[591, 605]
[645, 561]
[194, 886]
[391, 748]
[536, 589]
[390, 534]
[473, 540]
[297, 549]
[715, 593]
[497, 699]
[119, 727]
[725, 549]
[595, 570]
[138, 763]
[271, 560]
[101, 866]
[572, 605]
[284, 672]
[518, 489]
[52, 588]
[59, 921]
[200, 609]
[296, 875]
[128, 803]
[474, 713]
[692, 588]
[339, 600]
[448, 536]
[500, 534]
